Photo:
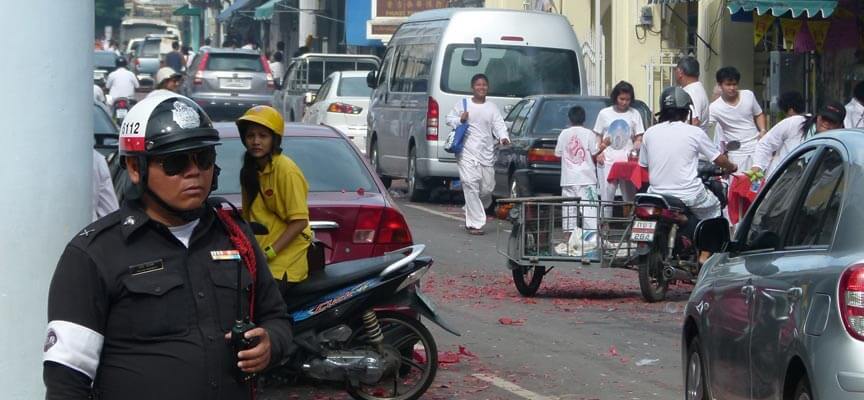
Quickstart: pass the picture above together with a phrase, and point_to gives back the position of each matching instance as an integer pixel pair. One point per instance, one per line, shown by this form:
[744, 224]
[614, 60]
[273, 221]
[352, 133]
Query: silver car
[227, 82]
[778, 312]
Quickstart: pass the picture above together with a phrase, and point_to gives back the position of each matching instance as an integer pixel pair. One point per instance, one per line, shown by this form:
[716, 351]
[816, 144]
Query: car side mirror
[712, 235]
[309, 98]
[472, 56]
[372, 79]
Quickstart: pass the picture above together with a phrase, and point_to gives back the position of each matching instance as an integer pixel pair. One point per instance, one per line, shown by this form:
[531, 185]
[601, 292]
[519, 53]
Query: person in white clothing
[486, 128]
[793, 130]
[578, 147]
[739, 116]
[121, 82]
[622, 126]
[277, 68]
[104, 200]
[855, 108]
[670, 151]
[98, 94]
[687, 77]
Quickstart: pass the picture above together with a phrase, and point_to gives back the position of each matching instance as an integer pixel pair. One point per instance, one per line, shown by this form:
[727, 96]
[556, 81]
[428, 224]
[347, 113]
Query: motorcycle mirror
[712, 235]
[733, 145]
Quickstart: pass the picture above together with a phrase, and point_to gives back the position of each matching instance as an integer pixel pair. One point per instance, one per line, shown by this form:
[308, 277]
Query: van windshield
[513, 71]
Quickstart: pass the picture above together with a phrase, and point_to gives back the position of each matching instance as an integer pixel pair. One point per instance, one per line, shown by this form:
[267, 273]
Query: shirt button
[158, 289]
[201, 294]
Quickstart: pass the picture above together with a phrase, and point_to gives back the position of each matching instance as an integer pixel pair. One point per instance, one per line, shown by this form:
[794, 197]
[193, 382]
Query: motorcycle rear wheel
[419, 352]
[527, 279]
[651, 281]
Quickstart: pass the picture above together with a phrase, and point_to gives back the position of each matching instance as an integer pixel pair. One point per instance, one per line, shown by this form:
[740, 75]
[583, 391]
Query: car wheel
[373, 158]
[802, 390]
[696, 384]
[414, 193]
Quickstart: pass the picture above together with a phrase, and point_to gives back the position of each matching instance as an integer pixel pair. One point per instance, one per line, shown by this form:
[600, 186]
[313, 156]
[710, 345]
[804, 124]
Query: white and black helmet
[673, 97]
[165, 124]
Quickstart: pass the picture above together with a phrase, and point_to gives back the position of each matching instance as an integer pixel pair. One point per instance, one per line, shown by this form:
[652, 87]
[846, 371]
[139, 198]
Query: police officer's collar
[133, 218]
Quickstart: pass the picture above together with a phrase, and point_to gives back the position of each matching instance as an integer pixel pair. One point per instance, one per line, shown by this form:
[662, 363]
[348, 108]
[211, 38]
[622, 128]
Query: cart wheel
[651, 280]
[527, 279]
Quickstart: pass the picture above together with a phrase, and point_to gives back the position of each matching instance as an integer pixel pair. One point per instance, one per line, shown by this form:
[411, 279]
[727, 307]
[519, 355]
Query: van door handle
[794, 293]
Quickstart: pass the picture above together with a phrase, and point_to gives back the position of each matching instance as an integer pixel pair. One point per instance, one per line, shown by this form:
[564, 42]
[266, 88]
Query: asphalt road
[586, 335]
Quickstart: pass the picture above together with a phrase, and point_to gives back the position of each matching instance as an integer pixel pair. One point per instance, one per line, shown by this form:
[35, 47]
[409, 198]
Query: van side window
[384, 72]
[413, 67]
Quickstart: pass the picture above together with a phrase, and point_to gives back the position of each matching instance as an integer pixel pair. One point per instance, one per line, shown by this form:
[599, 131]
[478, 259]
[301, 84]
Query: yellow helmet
[262, 115]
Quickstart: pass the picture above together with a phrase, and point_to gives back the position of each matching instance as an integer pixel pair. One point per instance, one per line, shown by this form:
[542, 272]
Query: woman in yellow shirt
[274, 194]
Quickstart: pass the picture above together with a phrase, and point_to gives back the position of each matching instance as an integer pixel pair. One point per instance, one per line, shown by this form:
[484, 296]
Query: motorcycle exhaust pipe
[674, 274]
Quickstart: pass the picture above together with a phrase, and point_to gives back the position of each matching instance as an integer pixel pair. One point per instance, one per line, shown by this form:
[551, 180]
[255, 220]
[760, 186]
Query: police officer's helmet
[674, 98]
[166, 124]
[120, 61]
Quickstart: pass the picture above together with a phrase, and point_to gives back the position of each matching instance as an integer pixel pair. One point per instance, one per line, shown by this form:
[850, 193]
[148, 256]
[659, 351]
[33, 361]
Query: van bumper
[437, 168]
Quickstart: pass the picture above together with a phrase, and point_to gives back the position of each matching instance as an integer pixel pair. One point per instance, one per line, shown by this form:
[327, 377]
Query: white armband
[74, 346]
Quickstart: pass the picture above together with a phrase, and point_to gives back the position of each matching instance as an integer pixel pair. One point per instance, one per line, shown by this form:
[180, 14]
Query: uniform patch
[224, 255]
[86, 232]
[50, 340]
[149, 266]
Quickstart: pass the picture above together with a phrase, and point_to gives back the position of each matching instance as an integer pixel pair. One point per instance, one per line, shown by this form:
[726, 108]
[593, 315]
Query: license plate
[120, 113]
[425, 300]
[643, 231]
[235, 83]
[455, 184]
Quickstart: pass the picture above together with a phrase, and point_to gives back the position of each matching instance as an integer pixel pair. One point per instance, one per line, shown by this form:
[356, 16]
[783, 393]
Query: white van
[427, 69]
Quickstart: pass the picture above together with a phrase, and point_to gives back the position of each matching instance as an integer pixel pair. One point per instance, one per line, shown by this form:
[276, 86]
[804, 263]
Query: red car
[350, 210]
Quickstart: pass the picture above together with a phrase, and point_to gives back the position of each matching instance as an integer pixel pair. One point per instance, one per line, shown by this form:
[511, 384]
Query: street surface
[586, 335]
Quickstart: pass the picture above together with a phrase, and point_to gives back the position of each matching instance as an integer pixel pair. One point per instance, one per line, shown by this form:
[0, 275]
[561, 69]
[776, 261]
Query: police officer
[142, 299]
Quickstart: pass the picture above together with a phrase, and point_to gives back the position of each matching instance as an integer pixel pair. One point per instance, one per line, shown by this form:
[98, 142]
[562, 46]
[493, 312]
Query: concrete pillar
[46, 162]
[308, 23]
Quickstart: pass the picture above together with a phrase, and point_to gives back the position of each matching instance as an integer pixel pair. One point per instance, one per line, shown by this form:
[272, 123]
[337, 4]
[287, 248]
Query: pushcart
[536, 234]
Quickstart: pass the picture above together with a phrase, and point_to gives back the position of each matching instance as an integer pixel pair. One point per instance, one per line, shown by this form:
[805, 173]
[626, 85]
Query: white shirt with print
[670, 151]
[575, 147]
[609, 115]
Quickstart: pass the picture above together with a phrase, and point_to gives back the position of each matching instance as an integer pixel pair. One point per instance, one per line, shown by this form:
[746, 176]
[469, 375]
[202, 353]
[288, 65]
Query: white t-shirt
[631, 123]
[778, 142]
[121, 83]
[575, 147]
[277, 69]
[98, 94]
[485, 127]
[854, 114]
[670, 151]
[183, 233]
[737, 121]
[104, 200]
[700, 103]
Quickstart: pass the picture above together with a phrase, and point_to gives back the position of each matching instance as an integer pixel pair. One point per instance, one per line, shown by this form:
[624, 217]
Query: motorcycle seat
[335, 276]
[672, 201]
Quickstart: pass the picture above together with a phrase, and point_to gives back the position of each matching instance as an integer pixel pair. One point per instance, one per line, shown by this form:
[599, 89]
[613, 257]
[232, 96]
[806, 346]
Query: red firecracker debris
[510, 321]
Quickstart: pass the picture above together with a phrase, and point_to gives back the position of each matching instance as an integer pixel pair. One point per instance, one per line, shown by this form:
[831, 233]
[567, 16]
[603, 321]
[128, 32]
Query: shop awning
[670, 2]
[188, 11]
[226, 13]
[808, 8]
[265, 11]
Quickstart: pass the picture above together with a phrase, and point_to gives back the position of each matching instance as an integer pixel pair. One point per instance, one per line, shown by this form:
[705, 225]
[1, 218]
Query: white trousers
[587, 207]
[478, 181]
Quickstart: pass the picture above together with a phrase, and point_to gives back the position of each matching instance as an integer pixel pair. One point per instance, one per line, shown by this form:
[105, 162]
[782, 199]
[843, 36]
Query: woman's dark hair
[621, 88]
[249, 172]
[477, 77]
[576, 115]
[793, 100]
[858, 92]
[673, 115]
[728, 74]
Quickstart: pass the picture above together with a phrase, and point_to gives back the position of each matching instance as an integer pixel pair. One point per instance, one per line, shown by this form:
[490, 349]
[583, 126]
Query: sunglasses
[174, 164]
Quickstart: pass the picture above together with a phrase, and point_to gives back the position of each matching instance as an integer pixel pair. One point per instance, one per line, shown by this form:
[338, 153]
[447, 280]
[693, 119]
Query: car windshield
[552, 118]
[150, 48]
[353, 87]
[342, 168]
[319, 70]
[104, 59]
[234, 62]
[513, 71]
[102, 122]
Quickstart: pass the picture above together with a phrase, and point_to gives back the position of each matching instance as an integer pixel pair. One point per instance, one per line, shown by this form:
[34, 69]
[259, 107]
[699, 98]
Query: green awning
[188, 11]
[265, 11]
[669, 2]
[777, 8]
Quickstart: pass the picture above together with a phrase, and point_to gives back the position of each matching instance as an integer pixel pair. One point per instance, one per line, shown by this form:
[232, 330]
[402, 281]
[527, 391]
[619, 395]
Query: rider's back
[670, 151]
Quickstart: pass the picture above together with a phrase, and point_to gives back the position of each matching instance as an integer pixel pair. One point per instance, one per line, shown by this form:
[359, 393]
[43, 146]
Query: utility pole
[46, 159]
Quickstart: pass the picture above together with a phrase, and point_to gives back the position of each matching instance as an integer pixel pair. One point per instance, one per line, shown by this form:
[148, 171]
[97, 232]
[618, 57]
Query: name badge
[149, 266]
[223, 255]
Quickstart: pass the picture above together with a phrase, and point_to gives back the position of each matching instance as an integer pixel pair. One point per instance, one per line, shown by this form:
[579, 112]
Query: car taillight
[381, 226]
[343, 108]
[542, 155]
[202, 66]
[851, 300]
[432, 120]
[268, 73]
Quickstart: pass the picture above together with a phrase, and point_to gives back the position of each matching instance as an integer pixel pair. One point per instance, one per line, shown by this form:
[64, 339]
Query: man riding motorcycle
[670, 151]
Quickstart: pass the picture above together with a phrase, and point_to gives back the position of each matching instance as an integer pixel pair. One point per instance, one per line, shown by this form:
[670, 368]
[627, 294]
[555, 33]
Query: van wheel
[373, 158]
[415, 194]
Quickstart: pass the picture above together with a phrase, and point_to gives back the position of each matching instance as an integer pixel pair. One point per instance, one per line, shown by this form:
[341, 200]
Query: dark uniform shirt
[159, 309]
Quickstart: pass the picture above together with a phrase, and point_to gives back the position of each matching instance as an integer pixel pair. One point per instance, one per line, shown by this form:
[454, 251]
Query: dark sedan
[529, 165]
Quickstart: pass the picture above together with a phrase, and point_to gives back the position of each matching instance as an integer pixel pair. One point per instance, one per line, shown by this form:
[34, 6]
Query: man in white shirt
[104, 200]
[121, 82]
[855, 108]
[622, 126]
[486, 128]
[739, 116]
[687, 77]
[784, 136]
[98, 94]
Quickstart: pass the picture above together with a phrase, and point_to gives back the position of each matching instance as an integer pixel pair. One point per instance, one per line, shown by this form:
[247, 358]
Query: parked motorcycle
[663, 231]
[120, 108]
[357, 324]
